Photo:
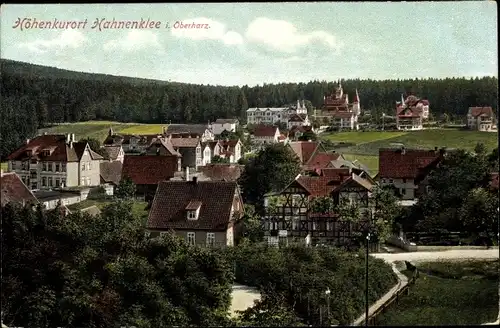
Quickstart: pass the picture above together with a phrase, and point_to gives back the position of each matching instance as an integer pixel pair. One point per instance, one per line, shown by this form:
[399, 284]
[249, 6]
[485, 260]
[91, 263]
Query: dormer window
[193, 210]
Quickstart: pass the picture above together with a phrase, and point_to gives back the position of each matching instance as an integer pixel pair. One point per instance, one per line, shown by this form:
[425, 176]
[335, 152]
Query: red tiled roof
[321, 160]
[149, 169]
[477, 111]
[317, 186]
[334, 173]
[265, 131]
[14, 190]
[221, 172]
[396, 165]
[304, 149]
[168, 210]
[60, 150]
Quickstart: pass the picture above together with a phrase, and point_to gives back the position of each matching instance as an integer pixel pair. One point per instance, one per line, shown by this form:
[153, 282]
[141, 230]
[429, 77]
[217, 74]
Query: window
[44, 181]
[90, 166]
[50, 181]
[57, 167]
[63, 166]
[58, 182]
[192, 215]
[13, 165]
[391, 181]
[49, 166]
[191, 238]
[83, 166]
[404, 180]
[82, 182]
[403, 191]
[44, 166]
[34, 185]
[198, 150]
[63, 183]
[88, 181]
[210, 238]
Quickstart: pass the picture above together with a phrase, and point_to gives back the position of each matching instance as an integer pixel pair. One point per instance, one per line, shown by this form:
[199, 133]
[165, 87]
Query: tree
[126, 188]
[386, 210]
[270, 311]
[102, 271]
[251, 225]
[308, 136]
[463, 172]
[479, 214]
[480, 149]
[274, 167]
[218, 159]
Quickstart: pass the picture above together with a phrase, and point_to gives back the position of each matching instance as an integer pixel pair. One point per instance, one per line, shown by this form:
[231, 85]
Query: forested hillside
[34, 95]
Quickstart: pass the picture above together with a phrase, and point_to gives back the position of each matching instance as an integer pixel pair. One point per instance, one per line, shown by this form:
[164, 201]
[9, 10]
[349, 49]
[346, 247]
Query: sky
[256, 43]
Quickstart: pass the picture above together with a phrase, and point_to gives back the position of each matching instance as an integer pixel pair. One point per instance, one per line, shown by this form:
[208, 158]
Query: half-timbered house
[293, 216]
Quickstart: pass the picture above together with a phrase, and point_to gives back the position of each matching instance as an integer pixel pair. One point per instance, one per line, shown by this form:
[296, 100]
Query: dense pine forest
[33, 96]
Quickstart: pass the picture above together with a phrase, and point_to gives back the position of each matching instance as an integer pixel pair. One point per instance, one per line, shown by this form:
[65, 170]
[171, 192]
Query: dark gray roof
[186, 128]
[111, 171]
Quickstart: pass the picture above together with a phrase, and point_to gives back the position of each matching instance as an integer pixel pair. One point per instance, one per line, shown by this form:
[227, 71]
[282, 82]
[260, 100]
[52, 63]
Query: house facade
[411, 113]
[231, 149]
[204, 213]
[405, 169]
[268, 116]
[221, 125]
[481, 119]
[56, 161]
[339, 111]
[292, 216]
[264, 134]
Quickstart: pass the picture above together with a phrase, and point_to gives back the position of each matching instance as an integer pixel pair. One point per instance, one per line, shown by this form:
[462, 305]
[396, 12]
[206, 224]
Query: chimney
[187, 173]
[72, 137]
[195, 179]
[1, 173]
[68, 138]
[27, 141]
[403, 150]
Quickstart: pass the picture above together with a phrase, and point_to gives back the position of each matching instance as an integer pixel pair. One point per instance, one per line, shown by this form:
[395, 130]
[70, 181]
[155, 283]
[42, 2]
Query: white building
[267, 115]
[411, 113]
[264, 134]
[299, 109]
[298, 120]
[221, 125]
[481, 119]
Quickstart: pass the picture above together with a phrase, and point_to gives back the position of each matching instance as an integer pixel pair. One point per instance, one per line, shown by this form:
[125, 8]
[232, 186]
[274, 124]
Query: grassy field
[367, 144]
[448, 293]
[99, 129]
[4, 166]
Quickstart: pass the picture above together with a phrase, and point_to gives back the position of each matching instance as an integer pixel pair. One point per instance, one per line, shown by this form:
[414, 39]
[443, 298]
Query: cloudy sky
[245, 43]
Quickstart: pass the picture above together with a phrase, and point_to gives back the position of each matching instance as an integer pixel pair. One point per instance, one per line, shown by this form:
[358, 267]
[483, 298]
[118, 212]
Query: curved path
[466, 254]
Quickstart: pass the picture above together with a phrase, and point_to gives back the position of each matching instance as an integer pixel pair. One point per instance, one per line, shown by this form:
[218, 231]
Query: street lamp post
[367, 305]
[327, 292]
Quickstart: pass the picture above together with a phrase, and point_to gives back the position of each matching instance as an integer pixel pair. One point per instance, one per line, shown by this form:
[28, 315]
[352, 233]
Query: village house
[265, 134]
[231, 149]
[164, 147]
[404, 169]
[222, 124]
[298, 120]
[341, 113]
[15, 191]
[114, 153]
[146, 171]
[292, 217]
[201, 131]
[132, 144]
[215, 148]
[268, 116]
[481, 119]
[190, 150]
[204, 213]
[312, 155]
[56, 161]
[411, 113]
